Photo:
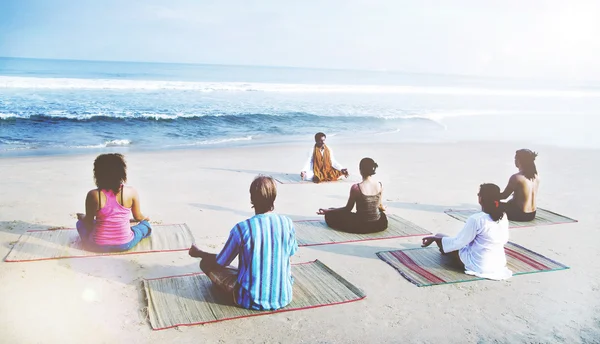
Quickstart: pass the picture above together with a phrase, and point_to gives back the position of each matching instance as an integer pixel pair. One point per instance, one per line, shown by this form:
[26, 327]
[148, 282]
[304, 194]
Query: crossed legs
[224, 278]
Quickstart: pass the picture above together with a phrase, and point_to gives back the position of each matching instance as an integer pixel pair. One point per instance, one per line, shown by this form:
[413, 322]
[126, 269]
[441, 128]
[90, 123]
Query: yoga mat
[316, 232]
[65, 243]
[427, 266]
[191, 299]
[294, 178]
[543, 217]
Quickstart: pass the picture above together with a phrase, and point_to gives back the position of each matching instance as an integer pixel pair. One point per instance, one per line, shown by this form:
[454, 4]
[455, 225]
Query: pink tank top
[112, 222]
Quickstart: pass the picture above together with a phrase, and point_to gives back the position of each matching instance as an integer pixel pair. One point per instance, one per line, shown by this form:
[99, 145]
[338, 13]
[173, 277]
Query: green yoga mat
[191, 299]
[65, 243]
[543, 217]
[427, 266]
[316, 232]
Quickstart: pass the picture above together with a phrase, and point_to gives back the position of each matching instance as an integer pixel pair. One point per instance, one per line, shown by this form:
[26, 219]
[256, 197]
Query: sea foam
[111, 84]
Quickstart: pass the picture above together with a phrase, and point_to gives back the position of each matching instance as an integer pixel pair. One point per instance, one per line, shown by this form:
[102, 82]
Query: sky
[511, 38]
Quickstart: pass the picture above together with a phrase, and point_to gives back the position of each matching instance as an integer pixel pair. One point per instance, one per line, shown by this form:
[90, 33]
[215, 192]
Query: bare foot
[195, 252]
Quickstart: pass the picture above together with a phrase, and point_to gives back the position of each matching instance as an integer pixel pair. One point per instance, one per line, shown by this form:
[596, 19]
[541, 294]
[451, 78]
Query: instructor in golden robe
[321, 165]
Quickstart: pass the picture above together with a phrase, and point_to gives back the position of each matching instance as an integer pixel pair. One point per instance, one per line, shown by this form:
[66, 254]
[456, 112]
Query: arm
[462, 239]
[433, 239]
[231, 248]
[91, 206]
[337, 165]
[308, 164]
[381, 206]
[449, 244]
[210, 260]
[510, 187]
[349, 205]
[135, 207]
[334, 162]
[292, 243]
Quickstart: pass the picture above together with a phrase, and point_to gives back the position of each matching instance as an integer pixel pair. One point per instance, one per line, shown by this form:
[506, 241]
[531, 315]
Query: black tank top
[367, 206]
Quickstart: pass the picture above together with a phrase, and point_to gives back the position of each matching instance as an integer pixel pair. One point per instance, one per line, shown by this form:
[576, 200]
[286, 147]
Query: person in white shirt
[479, 247]
[321, 165]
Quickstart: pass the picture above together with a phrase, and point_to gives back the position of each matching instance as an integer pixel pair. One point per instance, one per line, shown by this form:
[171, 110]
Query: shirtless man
[321, 165]
[524, 188]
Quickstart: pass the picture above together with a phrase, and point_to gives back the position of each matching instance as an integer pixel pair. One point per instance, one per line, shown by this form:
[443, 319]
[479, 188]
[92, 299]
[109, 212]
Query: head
[320, 139]
[525, 162]
[110, 171]
[262, 194]
[489, 199]
[367, 167]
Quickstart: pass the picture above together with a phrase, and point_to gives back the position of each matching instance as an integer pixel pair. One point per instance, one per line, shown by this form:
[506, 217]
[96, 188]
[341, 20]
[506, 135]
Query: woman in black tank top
[369, 216]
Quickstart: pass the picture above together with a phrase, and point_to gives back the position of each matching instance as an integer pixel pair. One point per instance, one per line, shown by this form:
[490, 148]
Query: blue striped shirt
[264, 243]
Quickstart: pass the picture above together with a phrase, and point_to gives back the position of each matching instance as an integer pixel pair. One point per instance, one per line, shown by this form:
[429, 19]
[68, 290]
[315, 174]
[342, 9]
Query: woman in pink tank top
[105, 226]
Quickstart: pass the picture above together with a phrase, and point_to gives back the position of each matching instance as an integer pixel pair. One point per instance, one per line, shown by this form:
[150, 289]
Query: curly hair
[110, 171]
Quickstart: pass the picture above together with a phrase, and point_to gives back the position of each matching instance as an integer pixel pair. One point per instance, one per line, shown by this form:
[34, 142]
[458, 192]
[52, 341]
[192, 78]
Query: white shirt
[480, 246]
[308, 166]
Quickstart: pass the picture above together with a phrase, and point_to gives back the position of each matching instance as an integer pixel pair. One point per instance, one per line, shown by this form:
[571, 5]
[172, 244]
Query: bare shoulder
[517, 177]
[93, 194]
[355, 188]
[92, 199]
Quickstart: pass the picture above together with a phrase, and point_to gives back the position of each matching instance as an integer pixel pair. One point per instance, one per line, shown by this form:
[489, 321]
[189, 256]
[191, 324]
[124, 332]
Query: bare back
[127, 197]
[124, 197]
[366, 188]
[370, 187]
[525, 191]
[368, 200]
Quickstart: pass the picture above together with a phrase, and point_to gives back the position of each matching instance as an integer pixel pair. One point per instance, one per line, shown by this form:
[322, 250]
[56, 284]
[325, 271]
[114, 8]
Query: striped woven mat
[65, 243]
[426, 266]
[316, 232]
[191, 299]
[542, 217]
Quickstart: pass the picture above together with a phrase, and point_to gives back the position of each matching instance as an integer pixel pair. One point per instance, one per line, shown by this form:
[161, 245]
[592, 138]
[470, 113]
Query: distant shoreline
[572, 82]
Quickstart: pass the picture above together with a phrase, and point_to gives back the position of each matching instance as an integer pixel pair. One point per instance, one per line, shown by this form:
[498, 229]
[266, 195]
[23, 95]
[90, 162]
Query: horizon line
[392, 71]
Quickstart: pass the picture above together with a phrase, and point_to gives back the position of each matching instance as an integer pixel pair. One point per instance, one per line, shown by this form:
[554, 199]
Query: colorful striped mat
[65, 243]
[543, 217]
[316, 232]
[427, 266]
[191, 299]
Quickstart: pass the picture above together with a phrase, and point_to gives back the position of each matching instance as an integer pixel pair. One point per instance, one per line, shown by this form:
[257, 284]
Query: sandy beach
[100, 300]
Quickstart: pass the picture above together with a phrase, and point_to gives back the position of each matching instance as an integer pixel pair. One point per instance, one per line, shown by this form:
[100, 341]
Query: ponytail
[490, 201]
[367, 167]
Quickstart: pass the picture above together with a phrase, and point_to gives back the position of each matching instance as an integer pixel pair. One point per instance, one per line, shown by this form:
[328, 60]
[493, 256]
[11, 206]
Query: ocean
[69, 107]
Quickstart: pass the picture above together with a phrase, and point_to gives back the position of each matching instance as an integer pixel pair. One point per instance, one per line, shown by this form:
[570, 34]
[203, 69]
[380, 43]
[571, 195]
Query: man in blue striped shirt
[264, 243]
